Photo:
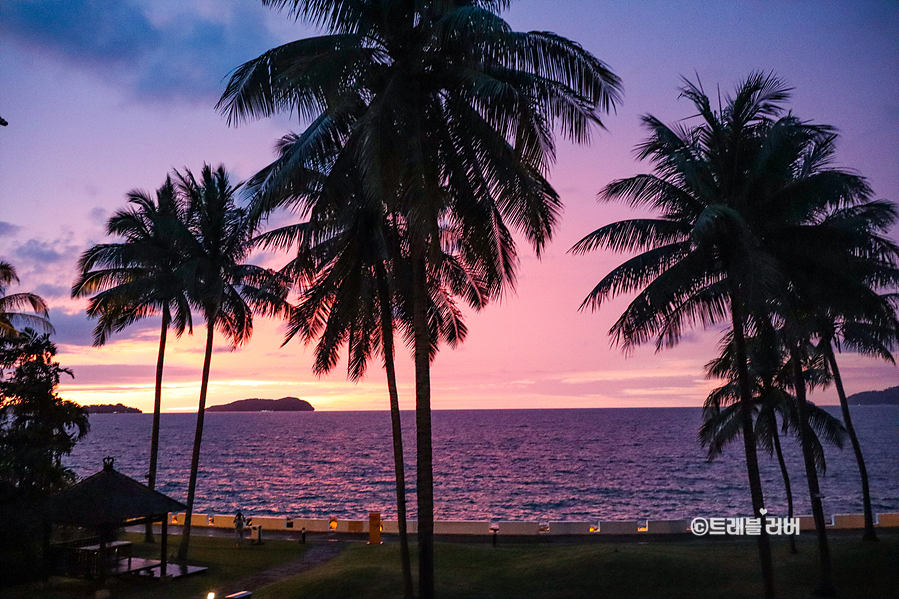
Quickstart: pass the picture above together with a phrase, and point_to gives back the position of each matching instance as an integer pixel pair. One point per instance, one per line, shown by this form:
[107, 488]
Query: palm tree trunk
[398, 465]
[825, 583]
[869, 535]
[425, 473]
[749, 445]
[157, 408]
[786, 477]
[198, 437]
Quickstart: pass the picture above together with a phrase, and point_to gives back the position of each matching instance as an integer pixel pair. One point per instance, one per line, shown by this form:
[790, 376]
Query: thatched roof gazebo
[109, 500]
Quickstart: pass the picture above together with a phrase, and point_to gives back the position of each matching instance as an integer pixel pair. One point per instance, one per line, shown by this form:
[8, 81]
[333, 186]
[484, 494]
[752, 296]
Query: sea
[543, 465]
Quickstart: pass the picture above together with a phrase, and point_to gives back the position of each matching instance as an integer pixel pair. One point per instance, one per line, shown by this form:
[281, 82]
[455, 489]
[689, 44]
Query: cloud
[40, 252]
[9, 228]
[87, 30]
[78, 330]
[45, 290]
[72, 329]
[97, 216]
[157, 50]
[111, 374]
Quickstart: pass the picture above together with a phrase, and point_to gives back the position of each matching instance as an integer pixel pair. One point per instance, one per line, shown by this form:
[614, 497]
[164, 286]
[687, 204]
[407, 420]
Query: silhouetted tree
[11, 306]
[137, 278]
[750, 206]
[447, 114]
[771, 377]
[37, 427]
[225, 290]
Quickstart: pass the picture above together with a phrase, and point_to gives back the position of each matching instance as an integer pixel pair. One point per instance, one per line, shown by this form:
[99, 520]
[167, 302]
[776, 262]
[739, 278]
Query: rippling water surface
[503, 464]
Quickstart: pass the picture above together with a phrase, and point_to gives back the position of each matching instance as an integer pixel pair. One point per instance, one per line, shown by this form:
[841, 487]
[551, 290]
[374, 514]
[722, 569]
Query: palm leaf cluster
[182, 254]
[433, 122]
[12, 316]
[759, 230]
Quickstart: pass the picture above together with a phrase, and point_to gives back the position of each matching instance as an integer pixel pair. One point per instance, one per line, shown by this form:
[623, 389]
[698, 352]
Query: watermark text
[745, 526]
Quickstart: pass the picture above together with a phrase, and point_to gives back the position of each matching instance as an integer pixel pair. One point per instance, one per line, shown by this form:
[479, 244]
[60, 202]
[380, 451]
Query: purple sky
[104, 97]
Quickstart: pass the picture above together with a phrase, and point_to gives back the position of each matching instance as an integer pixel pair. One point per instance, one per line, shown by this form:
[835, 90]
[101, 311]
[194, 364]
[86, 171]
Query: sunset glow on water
[579, 465]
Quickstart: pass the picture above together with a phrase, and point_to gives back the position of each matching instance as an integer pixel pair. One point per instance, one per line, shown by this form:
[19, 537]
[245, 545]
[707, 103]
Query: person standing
[239, 524]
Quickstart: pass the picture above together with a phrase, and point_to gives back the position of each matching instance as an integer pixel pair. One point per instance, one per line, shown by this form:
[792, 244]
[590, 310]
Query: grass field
[225, 561]
[693, 568]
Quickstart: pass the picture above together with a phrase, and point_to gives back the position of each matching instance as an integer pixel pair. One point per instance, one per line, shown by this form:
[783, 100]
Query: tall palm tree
[138, 278]
[700, 262]
[749, 232]
[351, 267]
[873, 339]
[11, 306]
[771, 377]
[836, 255]
[861, 319]
[225, 290]
[448, 115]
[342, 269]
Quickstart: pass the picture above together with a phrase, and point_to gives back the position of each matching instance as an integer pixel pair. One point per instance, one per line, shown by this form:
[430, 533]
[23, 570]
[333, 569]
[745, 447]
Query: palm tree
[447, 114]
[836, 254]
[862, 320]
[346, 300]
[138, 278]
[771, 376]
[350, 264]
[699, 263]
[750, 232]
[11, 306]
[226, 291]
[872, 339]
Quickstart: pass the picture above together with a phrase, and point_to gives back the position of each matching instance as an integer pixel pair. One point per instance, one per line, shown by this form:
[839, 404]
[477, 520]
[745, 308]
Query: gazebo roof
[108, 498]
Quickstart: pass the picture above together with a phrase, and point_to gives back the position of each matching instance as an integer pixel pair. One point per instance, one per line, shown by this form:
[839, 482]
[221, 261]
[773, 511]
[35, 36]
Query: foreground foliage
[37, 428]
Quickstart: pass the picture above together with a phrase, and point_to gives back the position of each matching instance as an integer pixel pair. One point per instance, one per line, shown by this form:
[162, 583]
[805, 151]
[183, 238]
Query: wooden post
[374, 528]
[163, 543]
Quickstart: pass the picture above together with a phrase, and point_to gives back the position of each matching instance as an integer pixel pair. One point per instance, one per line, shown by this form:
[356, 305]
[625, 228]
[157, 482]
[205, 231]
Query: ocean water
[544, 465]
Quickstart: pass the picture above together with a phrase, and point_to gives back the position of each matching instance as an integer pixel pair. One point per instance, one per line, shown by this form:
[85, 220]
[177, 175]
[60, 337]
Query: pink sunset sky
[105, 97]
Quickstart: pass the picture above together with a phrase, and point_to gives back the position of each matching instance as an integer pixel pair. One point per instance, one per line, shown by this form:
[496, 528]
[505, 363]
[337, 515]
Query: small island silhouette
[888, 396]
[108, 408]
[285, 404]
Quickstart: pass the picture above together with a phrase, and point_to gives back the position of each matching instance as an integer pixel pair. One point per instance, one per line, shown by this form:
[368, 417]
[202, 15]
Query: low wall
[393, 527]
[571, 528]
[617, 527]
[848, 521]
[664, 527]
[311, 525]
[887, 520]
[518, 528]
[461, 527]
[505, 528]
[195, 519]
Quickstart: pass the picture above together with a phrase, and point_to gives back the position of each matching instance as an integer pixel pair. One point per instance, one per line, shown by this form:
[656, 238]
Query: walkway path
[316, 555]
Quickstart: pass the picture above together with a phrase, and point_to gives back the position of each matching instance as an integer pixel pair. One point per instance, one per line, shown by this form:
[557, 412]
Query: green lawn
[609, 570]
[225, 561]
[693, 568]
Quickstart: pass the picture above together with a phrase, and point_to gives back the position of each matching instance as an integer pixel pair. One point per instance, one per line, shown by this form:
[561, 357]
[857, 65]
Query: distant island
[873, 398]
[285, 404]
[108, 408]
